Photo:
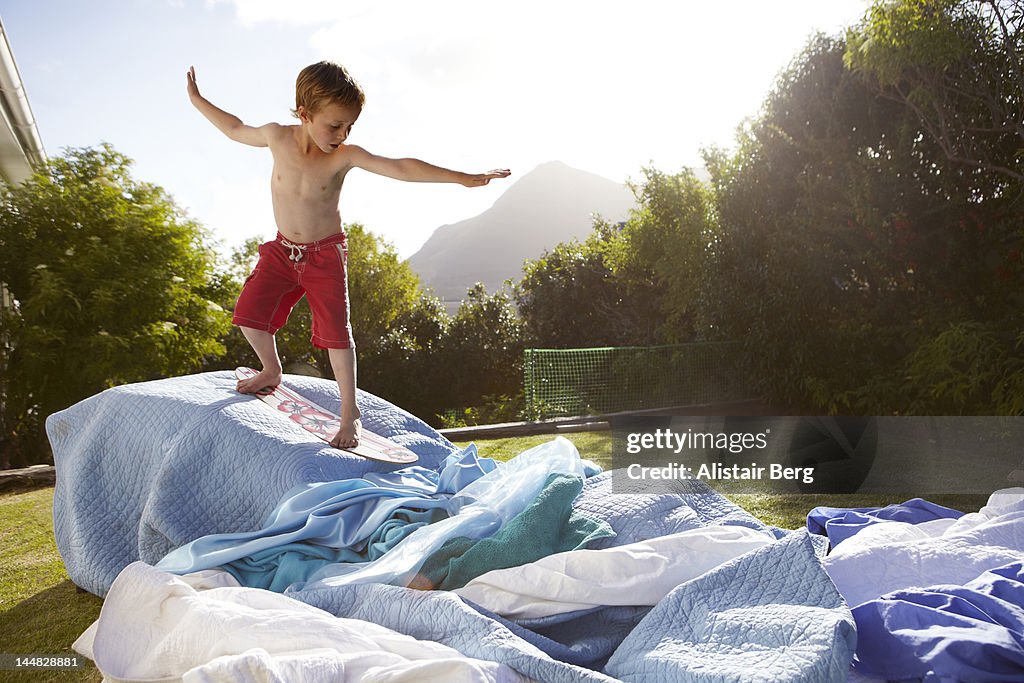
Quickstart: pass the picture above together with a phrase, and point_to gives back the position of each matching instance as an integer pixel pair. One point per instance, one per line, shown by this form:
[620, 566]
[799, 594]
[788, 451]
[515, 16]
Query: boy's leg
[343, 362]
[265, 346]
[264, 303]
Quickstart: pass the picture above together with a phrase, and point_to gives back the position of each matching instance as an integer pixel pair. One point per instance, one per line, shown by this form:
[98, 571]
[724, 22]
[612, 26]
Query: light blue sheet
[144, 468]
[547, 525]
[478, 511]
[280, 566]
[331, 522]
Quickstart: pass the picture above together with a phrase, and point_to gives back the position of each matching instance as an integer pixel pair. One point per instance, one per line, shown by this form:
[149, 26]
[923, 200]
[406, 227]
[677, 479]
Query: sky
[607, 87]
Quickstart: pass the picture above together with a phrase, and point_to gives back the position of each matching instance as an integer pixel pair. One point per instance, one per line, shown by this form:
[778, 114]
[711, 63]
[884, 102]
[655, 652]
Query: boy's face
[329, 125]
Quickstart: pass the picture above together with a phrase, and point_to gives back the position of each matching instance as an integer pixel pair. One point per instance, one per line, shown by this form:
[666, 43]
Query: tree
[663, 254]
[405, 367]
[571, 297]
[848, 242]
[382, 287]
[803, 272]
[482, 353]
[112, 283]
[637, 283]
[959, 66]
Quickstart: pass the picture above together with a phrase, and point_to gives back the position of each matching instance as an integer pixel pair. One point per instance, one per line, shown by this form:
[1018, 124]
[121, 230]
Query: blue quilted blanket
[145, 468]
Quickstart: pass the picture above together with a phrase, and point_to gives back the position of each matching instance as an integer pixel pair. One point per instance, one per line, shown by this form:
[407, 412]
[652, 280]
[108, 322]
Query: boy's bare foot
[348, 435]
[265, 380]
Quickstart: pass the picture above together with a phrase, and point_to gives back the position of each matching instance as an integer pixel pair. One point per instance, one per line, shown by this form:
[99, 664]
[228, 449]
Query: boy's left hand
[479, 179]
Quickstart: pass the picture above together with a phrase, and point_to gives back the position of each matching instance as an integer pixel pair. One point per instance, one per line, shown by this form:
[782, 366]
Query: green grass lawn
[41, 612]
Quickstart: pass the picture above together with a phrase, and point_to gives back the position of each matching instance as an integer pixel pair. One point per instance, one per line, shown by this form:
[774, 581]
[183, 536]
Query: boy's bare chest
[296, 177]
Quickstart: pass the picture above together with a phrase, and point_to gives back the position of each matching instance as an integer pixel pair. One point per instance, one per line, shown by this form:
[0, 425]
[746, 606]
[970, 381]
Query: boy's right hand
[193, 89]
[478, 179]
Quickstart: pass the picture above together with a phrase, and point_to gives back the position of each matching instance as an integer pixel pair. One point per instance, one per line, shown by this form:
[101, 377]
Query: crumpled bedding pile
[285, 560]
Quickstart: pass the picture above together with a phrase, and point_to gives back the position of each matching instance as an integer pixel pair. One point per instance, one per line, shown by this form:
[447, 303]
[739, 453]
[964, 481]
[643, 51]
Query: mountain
[552, 203]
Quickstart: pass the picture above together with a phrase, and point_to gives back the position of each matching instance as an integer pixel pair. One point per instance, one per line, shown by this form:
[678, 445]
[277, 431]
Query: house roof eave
[21, 148]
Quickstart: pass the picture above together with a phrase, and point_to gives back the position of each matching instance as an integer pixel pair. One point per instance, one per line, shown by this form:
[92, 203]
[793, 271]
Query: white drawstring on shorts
[297, 250]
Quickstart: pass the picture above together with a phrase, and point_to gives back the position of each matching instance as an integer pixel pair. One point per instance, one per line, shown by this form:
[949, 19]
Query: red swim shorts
[287, 270]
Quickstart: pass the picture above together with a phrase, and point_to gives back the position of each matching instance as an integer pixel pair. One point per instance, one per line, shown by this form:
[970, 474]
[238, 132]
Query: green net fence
[573, 382]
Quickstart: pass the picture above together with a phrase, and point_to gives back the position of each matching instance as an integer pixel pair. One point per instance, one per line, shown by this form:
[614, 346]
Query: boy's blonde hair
[324, 82]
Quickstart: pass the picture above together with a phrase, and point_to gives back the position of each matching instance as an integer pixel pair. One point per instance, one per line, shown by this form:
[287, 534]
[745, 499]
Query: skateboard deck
[321, 422]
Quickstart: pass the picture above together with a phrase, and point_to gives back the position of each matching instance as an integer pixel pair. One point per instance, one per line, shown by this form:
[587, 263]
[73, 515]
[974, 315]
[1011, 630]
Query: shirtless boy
[309, 254]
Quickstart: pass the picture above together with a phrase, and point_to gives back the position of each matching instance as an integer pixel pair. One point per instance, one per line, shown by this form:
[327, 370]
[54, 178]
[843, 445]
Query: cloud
[297, 13]
[50, 65]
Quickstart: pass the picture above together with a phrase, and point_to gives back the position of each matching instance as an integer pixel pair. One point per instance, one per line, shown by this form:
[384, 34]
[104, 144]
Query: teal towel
[546, 526]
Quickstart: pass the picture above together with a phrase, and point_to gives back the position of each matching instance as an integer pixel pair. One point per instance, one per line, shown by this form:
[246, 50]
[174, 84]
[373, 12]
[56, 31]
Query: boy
[309, 254]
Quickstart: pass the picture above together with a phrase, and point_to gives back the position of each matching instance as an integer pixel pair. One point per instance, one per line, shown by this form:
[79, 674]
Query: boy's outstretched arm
[414, 170]
[229, 124]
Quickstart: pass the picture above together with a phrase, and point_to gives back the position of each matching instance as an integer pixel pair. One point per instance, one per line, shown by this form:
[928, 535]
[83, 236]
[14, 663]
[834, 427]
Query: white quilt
[157, 627]
[636, 574]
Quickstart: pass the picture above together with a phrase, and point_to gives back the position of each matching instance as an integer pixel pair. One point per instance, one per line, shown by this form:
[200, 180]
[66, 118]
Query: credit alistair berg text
[718, 472]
